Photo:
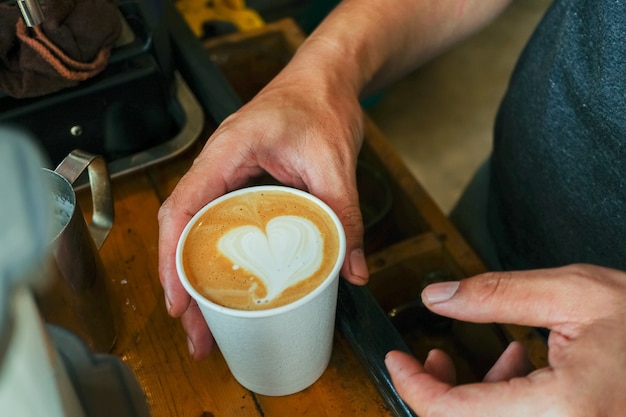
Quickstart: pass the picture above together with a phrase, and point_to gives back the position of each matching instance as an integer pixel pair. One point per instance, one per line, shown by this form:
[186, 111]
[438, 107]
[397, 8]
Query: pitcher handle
[100, 182]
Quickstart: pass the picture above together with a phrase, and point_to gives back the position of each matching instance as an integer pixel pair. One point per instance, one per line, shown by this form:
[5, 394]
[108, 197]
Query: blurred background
[441, 117]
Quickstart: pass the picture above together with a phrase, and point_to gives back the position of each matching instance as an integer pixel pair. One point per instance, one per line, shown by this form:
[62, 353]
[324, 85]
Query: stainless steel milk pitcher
[75, 295]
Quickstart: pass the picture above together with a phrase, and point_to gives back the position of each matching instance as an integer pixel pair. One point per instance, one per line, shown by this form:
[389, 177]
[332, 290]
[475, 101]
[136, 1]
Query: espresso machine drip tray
[149, 104]
[191, 124]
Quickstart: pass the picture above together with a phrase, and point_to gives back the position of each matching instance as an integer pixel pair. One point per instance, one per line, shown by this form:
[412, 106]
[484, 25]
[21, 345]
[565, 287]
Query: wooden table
[154, 346]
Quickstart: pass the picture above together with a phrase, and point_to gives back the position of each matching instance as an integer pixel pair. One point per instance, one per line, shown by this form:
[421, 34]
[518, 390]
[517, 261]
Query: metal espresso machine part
[31, 12]
[150, 103]
[44, 369]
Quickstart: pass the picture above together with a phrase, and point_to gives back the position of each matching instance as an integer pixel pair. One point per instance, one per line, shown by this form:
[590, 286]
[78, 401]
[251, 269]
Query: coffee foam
[260, 250]
[286, 253]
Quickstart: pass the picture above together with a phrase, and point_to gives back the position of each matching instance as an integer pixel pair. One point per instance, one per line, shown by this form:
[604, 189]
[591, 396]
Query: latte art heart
[288, 251]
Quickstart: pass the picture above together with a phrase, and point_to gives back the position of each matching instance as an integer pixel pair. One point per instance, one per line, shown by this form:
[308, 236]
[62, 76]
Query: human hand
[302, 134]
[584, 307]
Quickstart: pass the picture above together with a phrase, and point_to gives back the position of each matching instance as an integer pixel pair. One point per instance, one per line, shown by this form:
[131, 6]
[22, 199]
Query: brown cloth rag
[71, 45]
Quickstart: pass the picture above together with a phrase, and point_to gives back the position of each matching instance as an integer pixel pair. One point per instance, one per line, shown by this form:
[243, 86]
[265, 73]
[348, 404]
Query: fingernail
[190, 346]
[389, 362]
[440, 291]
[358, 266]
[387, 357]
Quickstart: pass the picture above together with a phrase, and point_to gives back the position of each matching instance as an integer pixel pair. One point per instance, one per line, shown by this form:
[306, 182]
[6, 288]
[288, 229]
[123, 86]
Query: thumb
[429, 396]
[412, 380]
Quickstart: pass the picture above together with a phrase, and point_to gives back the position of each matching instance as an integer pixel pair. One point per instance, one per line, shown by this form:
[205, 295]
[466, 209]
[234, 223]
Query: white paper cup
[282, 350]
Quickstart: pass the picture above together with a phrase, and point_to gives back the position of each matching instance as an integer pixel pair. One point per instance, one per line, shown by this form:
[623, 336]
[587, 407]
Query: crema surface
[260, 250]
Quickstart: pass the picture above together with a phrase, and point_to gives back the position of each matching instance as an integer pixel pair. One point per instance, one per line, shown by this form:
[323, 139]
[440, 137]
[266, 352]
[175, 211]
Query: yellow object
[199, 12]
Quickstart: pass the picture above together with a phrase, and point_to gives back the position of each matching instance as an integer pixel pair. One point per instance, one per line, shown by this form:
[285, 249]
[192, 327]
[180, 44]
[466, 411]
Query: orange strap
[66, 66]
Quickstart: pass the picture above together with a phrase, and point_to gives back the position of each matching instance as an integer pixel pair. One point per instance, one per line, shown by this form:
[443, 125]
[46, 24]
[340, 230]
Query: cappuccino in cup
[263, 265]
[260, 250]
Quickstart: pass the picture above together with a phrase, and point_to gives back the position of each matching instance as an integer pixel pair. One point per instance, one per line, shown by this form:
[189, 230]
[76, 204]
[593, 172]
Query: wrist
[323, 63]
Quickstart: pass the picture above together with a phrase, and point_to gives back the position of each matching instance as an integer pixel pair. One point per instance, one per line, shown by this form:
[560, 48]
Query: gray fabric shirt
[558, 179]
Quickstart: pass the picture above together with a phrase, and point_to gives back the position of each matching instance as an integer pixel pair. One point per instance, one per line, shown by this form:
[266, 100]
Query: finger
[171, 224]
[429, 396]
[172, 221]
[192, 192]
[513, 362]
[440, 365]
[540, 298]
[199, 338]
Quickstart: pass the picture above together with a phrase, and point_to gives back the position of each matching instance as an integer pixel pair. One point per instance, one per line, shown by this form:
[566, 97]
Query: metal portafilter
[31, 12]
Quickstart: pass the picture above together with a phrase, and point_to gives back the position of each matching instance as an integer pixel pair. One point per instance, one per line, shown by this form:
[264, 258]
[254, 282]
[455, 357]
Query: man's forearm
[371, 43]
